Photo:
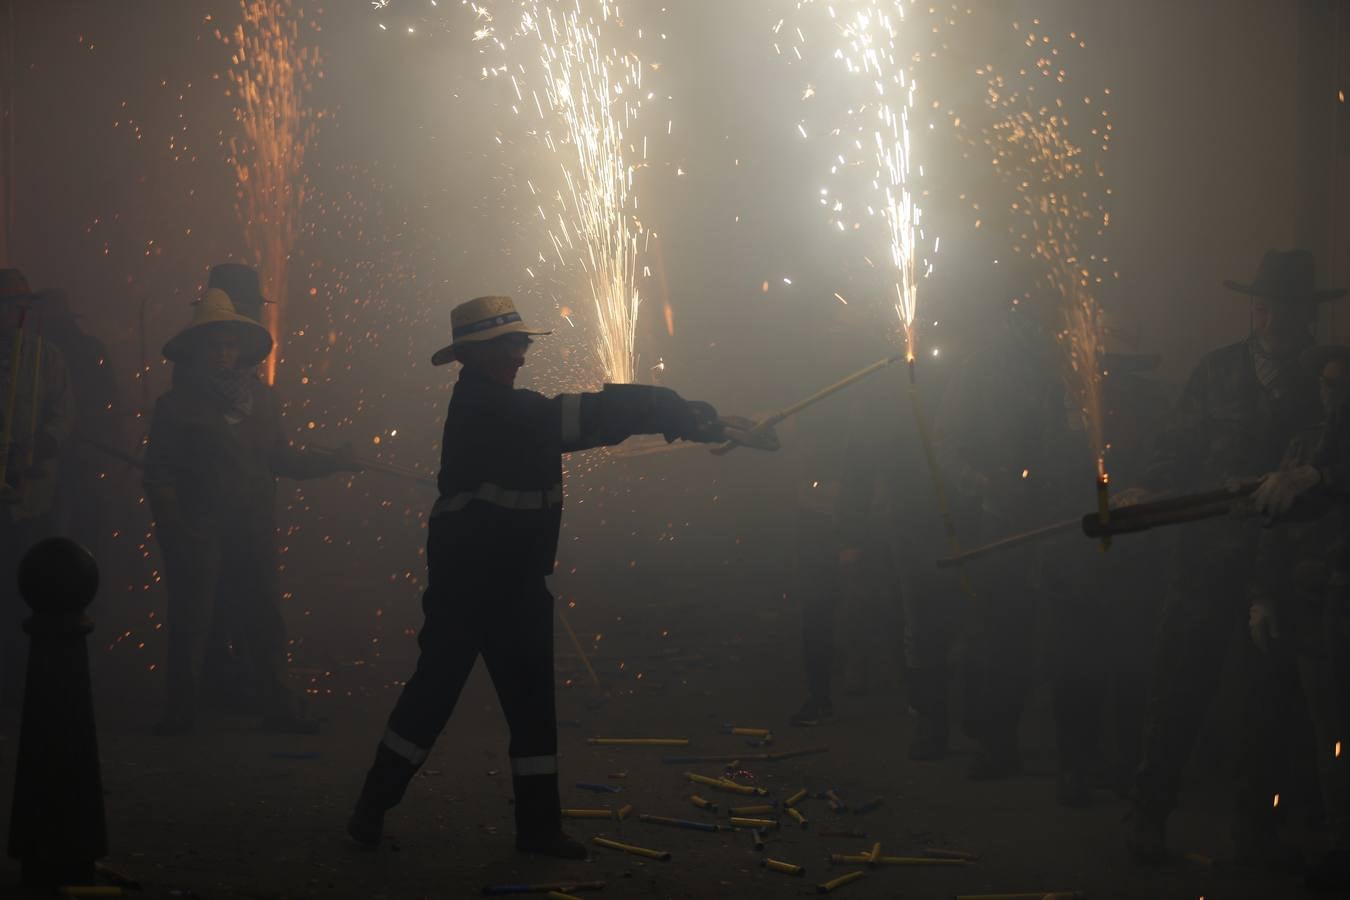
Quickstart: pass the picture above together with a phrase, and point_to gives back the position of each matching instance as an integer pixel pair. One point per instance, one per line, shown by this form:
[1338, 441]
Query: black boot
[815, 711]
[385, 785]
[539, 819]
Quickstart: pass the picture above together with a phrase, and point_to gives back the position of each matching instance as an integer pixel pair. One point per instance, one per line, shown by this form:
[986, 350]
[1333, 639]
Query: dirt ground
[233, 813]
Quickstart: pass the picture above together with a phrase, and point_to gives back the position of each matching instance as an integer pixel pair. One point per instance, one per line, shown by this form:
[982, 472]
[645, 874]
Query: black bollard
[56, 827]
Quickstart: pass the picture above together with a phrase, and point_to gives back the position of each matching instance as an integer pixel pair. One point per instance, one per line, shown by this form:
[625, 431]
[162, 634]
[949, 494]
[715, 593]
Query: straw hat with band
[215, 311]
[479, 320]
[1285, 275]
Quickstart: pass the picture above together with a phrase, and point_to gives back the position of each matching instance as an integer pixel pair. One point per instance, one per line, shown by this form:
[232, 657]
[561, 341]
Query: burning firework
[1059, 208]
[874, 159]
[270, 73]
[587, 94]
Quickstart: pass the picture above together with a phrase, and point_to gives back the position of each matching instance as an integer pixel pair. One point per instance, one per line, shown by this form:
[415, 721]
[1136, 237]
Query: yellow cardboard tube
[624, 811]
[701, 803]
[839, 882]
[703, 779]
[587, 814]
[848, 859]
[663, 855]
[786, 868]
[750, 732]
[875, 856]
[743, 822]
[798, 817]
[640, 742]
[727, 784]
[760, 810]
[795, 798]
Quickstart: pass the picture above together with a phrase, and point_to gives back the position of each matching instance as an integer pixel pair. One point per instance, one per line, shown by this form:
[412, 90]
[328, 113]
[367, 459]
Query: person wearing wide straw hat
[1238, 411]
[36, 416]
[243, 286]
[216, 449]
[492, 540]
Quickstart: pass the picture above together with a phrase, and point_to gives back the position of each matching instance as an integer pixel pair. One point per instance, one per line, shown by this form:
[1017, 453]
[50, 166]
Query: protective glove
[1261, 623]
[688, 420]
[1280, 490]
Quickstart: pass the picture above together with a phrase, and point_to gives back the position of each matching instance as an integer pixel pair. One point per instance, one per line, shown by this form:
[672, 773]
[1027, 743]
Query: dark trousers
[1202, 615]
[508, 620]
[246, 560]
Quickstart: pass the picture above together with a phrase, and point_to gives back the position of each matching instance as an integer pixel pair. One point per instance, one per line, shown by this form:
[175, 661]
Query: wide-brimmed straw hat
[216, 311]
[478, 320]
[1286, 275]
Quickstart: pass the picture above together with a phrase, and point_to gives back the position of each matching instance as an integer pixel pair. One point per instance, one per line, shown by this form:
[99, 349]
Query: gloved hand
[344, 460]
[688, 420]
[1261, 623]
[1279, 490]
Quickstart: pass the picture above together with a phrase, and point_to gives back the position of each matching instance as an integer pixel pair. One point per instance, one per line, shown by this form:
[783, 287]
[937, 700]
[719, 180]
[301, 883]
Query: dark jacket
[501, 495]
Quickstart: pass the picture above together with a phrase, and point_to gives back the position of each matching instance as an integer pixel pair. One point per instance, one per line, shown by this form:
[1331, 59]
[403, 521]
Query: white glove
[1279, 490]
[1261, 623]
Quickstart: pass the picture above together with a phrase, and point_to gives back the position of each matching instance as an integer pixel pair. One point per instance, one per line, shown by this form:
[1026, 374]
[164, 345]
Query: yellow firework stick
[747, 732]
[624, 811]
[875, 856]
[798, 817]
[662, 855]
[567, 626]
[786, 868]
[849, 859]
[703, 779]
[702, 804]
[743, 822]
[795, 798]
[638, 742]
[835, 884]
[587, 814]
[763, 809]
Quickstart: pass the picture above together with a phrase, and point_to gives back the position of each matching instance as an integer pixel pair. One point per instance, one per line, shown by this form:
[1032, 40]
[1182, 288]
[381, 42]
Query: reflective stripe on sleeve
[524, 766]
[571, 419]
[500, 496]
[404, 747]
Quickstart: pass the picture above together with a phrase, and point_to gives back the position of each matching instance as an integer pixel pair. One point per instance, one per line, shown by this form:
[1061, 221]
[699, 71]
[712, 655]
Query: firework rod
[775, 418]
[1007, 543]
[7, 438]
[376, 465]
[935, 473]
[576, 643]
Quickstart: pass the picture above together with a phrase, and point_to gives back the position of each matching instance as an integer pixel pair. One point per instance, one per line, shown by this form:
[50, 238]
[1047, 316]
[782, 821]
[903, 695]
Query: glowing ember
[269, 73]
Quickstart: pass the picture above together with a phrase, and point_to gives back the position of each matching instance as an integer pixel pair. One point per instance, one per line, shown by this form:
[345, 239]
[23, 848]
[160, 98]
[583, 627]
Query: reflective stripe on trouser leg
[404, 747]
[524, 766]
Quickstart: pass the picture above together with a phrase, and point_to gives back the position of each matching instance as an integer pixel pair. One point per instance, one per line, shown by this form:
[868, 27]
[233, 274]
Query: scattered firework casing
[624, 811]
[599, 788]
[679, 823]
[943, 853]
[758, 837]
[724, 784]
[588, 814]
[836, 804]
[798, 817]
[743, 822]
[850, 833]
[1033, 895]
[761, 809]
[747, 757]
[556, 886]
[640, 742]
[786, 868]
[839, 882]
[702, 804]
[796, 798]
[703, 779]
[870, 806]
[875, 856]
[662, 855]
[849, 859]
[747, 732]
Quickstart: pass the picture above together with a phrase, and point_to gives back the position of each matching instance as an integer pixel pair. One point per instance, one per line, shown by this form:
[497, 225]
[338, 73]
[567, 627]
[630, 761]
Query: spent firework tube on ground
[786, 868]
[638, 742]
[796, 798]
[836, 883]
[798, 817]
[762, 809]
[689, 824]
[756, 824]
[661, 855]
[702, 804]
[853, 859]
[747, 732]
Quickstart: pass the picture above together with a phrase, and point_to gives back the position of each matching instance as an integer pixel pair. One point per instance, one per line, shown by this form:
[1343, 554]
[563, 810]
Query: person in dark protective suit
[1238, 412]
[492, 540]
[216, 449]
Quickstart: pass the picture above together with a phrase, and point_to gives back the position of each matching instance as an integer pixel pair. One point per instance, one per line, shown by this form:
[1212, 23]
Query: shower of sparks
[587, 94]
[872, 165]
[1059, 207]
[270, 72]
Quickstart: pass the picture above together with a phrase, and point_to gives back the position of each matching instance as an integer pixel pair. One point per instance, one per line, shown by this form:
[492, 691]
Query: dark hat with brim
[243, 286]
[14, 287]
[1287, 275]
[1315, 359]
